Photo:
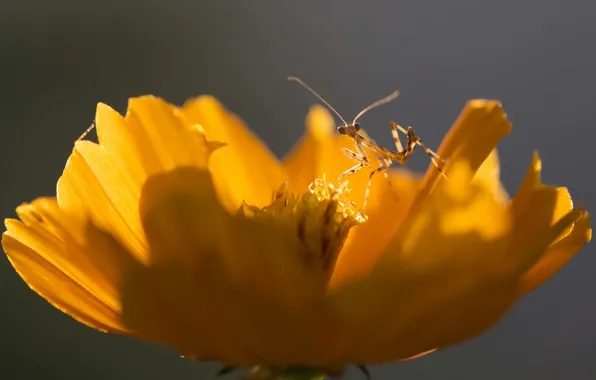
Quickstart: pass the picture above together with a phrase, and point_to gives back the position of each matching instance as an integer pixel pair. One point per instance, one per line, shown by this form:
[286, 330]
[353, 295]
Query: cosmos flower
[181, 228]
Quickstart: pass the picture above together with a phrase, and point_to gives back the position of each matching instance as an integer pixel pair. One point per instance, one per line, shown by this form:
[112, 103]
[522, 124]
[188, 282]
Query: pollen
[320, 219]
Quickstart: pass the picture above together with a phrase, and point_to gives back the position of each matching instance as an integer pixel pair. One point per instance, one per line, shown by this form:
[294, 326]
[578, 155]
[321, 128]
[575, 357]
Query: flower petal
[153, 137]
[543, 215]
[435, 284]
[94, 181]
[388, 205]
[228, 283]
[310, 158]
[69, 262]
[557, 256]
[544, 219]
[243, 170]
[530, 184]
[490, 173]
[106, 179]
[474, 135]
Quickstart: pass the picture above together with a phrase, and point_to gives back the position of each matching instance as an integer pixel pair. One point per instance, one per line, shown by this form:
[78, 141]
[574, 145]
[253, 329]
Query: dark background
[59, 58]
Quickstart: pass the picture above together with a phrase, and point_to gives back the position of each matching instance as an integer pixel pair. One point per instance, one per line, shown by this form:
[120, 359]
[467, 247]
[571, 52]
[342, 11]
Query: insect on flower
[385, 156]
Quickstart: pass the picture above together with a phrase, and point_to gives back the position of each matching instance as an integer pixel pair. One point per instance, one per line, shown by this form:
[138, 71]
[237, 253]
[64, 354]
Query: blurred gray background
[59, 58]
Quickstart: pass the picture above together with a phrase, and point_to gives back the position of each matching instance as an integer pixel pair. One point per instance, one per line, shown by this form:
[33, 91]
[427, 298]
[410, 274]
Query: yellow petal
[244, 169]
[310, 157]
[320, 153]
[106, 179]
[530, 184]
[94, 181]
[557, 255]
[545, 218]
[227, 284]
[539, 211]
[490, 173]
[388, 205]
[69, 262]
[435, 283]
[474, 135]
[153, 137]
[532, 187]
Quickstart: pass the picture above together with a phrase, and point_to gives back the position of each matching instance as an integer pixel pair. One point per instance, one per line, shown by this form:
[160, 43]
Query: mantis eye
[341, 130]
[357, 126]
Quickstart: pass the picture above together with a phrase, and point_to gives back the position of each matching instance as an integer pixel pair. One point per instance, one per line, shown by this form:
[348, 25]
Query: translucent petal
[94, 181]
[105, 180]
[69, 262]
[435, 284]
[539, 211]
[544, 220]
[474, 135]
[153, 137]
[530, 184]
[557, 256]
[311, 156]
[388, 206]
[490, 173]
[244, 169]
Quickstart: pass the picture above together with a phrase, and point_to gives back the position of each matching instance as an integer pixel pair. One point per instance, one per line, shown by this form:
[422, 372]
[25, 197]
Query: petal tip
[536, 162]
[319, 122]
[484, 103]
[138, 102]
[103, 107]
[585, 220]
[203, 101]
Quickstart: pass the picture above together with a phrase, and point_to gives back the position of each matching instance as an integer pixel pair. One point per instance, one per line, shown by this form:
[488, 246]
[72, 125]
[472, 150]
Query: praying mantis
[385, 156]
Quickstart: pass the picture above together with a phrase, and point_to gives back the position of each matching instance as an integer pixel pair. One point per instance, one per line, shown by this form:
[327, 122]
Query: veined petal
[243, 170]
[153, 137]
[69, 262]
[435, 283]
[106, 179]
[474, 135]
[557, 256]
[94, 181]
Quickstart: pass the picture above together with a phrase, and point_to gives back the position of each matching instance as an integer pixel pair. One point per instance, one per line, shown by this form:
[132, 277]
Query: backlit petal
[106, 180]
[153, 137]
[244, 169]
[94, 181]
[311, 156]
[435, 283]
[76, 267]
[530, 184]
[544, 220]
[474, 135]
[388, 205]
[490, 173]
[557, 255]
[539, 211]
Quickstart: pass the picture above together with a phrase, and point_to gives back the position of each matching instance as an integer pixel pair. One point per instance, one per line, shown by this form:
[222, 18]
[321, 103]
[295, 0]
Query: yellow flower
[181, 228]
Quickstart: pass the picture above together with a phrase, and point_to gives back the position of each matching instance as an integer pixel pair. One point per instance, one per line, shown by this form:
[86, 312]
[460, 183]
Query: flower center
[320, 218]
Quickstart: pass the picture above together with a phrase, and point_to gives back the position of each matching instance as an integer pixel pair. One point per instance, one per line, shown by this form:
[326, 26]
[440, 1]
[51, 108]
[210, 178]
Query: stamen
[325, 190]
[320, 218]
